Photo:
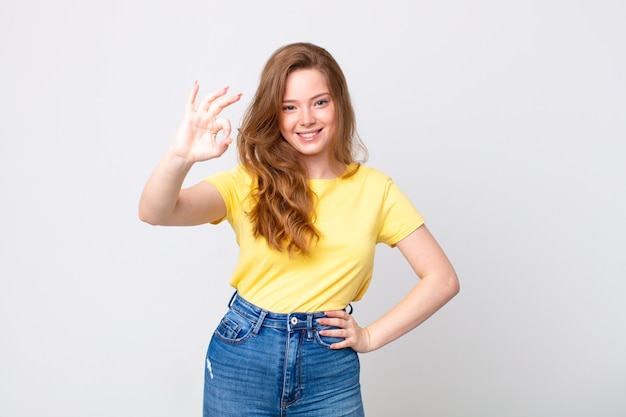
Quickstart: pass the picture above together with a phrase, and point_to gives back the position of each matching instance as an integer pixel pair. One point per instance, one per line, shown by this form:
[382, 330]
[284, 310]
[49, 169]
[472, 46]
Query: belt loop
[351, 309]
[309, 326]
[232, 299]
[257, 326]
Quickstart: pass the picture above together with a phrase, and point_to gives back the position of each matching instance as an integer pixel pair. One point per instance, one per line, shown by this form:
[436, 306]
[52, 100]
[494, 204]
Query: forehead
[305, 83]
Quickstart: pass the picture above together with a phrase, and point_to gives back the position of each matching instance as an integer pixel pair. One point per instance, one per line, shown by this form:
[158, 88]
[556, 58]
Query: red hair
[283, 210]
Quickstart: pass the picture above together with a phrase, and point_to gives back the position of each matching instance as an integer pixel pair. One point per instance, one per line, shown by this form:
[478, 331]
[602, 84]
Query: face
[307, 119]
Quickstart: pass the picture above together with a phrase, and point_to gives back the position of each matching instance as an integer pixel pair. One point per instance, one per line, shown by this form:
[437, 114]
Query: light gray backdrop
[504, 122]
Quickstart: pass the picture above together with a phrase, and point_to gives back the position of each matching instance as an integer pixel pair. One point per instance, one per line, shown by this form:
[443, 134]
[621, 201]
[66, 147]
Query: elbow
[147, 217]
[446, 284]
[452, 285]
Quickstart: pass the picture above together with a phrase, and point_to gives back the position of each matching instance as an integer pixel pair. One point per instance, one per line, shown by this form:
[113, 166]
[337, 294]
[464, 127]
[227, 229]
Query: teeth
[308, 135]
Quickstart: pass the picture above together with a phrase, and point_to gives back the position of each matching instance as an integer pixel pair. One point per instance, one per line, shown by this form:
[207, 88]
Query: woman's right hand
[196, 138]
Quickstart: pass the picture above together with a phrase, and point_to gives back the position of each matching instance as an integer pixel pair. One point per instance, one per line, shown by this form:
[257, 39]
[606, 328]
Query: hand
[196, 138]
[355, 337]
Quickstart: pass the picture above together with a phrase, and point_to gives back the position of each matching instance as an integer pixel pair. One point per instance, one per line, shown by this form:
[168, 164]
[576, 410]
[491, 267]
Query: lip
[309, 135]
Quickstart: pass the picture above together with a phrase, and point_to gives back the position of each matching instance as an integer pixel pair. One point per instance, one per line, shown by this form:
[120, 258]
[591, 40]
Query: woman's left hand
[355, 337]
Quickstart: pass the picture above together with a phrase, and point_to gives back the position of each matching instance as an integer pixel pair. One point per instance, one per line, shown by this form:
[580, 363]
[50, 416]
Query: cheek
[284, 125]
[331, 128]
[330, 120]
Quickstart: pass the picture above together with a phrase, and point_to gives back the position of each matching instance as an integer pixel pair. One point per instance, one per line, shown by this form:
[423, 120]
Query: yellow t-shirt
[352, 215]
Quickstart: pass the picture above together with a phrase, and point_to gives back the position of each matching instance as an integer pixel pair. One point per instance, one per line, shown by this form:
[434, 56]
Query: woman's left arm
[437, 285]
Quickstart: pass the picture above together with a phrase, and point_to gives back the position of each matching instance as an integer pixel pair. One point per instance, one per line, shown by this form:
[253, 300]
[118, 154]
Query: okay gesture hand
[196, 138]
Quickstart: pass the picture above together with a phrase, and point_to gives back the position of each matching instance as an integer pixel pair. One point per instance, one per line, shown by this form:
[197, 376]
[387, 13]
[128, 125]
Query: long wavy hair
[283, 203]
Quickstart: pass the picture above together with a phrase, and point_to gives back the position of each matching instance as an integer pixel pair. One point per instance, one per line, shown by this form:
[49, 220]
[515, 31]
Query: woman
[307, 217]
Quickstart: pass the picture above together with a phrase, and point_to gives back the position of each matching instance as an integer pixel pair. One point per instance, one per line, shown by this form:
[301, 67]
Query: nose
[307, 117]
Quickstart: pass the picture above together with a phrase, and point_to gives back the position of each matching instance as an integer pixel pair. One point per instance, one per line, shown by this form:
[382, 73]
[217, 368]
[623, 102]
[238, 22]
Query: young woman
[307, 217]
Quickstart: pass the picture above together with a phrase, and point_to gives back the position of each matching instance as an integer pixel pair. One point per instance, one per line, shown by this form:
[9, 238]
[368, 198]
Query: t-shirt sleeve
[399, 216]
[230, 184]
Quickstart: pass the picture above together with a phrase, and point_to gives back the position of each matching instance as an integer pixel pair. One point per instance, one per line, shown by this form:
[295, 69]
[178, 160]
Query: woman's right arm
[163, 201]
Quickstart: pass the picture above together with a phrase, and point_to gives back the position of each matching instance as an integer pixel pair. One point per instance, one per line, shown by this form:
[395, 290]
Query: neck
[325, 171]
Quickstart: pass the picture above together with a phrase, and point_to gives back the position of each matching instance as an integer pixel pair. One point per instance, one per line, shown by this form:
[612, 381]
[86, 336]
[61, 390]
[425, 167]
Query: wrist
[177, 160]
[368, 340]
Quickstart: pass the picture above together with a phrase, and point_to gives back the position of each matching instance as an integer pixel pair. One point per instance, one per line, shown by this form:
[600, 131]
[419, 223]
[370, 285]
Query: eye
[288, 107]
[321, 102]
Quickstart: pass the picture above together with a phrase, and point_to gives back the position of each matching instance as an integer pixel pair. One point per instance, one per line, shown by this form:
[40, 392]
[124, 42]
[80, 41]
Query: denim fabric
[261, 363]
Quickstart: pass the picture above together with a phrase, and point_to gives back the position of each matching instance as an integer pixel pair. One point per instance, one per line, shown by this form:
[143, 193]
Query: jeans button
[294, 321]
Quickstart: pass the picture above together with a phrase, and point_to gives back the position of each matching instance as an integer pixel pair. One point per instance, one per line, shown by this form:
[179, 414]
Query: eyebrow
[312, 98]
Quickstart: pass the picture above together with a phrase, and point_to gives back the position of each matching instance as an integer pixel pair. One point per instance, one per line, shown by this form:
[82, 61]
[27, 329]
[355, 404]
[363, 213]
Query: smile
[309, 135]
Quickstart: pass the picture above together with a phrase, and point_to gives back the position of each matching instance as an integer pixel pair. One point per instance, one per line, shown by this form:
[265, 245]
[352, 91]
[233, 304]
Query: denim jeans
[261, 363]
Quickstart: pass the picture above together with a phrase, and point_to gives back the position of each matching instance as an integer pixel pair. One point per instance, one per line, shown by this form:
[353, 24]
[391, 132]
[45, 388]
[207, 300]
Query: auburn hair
[282, 209]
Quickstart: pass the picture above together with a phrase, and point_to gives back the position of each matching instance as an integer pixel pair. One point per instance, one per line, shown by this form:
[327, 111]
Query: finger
[191, 99]
[340, 314]
[216, 106]
[223, 146]
[327, 321]
[338, 333]
[337, 324]
[341, 345]
[208, 99]
[224, 126]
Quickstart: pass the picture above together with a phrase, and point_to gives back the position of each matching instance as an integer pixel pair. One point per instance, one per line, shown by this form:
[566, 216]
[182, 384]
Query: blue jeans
[261, 363]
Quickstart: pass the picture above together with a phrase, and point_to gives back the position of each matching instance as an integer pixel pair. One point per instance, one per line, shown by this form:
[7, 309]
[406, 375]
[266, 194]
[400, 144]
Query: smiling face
[307, 119]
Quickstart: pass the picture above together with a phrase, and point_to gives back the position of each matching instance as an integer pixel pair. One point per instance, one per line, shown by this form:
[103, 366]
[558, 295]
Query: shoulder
[236, 175]
[371, 176]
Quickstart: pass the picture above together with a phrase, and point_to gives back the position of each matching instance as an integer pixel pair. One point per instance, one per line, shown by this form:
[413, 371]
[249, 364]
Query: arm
[437, 285]
[163, 201]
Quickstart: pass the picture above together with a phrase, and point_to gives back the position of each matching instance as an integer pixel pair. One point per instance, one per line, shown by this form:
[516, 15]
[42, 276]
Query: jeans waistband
[262, 317]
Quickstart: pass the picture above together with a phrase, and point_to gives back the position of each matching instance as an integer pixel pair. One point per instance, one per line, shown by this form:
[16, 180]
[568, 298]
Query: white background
[504, 122]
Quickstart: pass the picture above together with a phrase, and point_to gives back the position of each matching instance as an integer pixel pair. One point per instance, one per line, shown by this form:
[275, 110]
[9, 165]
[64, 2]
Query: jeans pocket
[326, 341]
[234, 328]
